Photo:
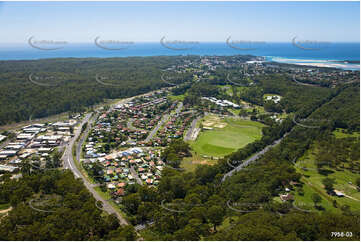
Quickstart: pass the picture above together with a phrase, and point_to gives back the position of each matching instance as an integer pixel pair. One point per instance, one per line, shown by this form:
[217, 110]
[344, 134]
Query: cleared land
[345, 182]
[190, 163]
[221, 137]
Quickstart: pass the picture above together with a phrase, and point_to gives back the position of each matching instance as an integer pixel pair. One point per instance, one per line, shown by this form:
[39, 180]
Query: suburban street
[69, 162]
[135, 175]
[162, 121]
[155, 130]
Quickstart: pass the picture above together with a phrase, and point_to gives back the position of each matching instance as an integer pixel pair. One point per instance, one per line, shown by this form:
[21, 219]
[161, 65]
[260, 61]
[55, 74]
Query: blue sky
[190, 21]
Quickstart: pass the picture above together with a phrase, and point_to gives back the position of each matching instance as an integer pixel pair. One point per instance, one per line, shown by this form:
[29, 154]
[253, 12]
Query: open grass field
[190, 163]
[177, 97]
[340, 134]
[225, 136]
[313, 184]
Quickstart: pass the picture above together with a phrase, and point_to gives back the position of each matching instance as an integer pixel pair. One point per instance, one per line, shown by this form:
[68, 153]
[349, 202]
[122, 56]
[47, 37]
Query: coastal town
[120, 145]
[180, 121]
[139, 128]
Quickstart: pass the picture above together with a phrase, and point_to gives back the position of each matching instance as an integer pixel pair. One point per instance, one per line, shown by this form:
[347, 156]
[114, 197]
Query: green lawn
[177, 97]
[313, 184]
[4, 206]
[190, 163]
[223, 141]
[339, 134]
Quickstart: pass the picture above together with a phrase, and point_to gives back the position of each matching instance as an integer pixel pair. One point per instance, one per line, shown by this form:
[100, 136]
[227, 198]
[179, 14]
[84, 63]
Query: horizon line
[198, 42]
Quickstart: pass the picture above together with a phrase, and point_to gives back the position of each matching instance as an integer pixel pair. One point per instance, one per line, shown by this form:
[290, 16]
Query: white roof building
[8, 152]
[2, 137]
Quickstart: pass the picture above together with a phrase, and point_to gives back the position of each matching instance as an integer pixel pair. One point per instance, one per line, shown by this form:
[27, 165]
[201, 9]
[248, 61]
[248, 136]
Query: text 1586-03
[341, 234]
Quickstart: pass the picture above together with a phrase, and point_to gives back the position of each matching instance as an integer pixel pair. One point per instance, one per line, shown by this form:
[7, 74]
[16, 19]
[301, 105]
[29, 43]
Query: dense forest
[53, 205]
[39, 88]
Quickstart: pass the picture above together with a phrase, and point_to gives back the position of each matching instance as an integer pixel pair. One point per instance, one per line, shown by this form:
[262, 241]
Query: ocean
[327, 54]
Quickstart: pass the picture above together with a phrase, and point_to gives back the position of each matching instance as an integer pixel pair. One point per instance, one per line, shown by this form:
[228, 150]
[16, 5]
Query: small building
[121, 184]
[120, 192]
[8, 168]
[111, 186]
[2, 137]
[8, 153]
[339, 193]
[286, 197]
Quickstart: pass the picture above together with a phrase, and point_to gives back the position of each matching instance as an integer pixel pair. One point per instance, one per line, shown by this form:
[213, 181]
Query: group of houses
[174, 128]
[134, 165]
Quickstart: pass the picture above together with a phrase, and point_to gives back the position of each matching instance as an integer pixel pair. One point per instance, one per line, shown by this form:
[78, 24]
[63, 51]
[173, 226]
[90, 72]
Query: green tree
[132, 202]
[215, 216]
[316, 198]
[328, 183]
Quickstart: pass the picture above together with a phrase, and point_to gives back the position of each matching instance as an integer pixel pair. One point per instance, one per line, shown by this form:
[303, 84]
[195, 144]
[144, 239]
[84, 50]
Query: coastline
[345, 65]
[342, 56]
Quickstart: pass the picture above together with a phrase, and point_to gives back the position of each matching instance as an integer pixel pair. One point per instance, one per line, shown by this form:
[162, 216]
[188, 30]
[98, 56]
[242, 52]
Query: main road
[69, 163]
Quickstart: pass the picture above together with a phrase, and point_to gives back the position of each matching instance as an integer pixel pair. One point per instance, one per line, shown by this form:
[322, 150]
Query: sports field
[221, 137]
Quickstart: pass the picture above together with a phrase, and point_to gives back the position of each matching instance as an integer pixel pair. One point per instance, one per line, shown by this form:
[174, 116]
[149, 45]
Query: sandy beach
[333, 65]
